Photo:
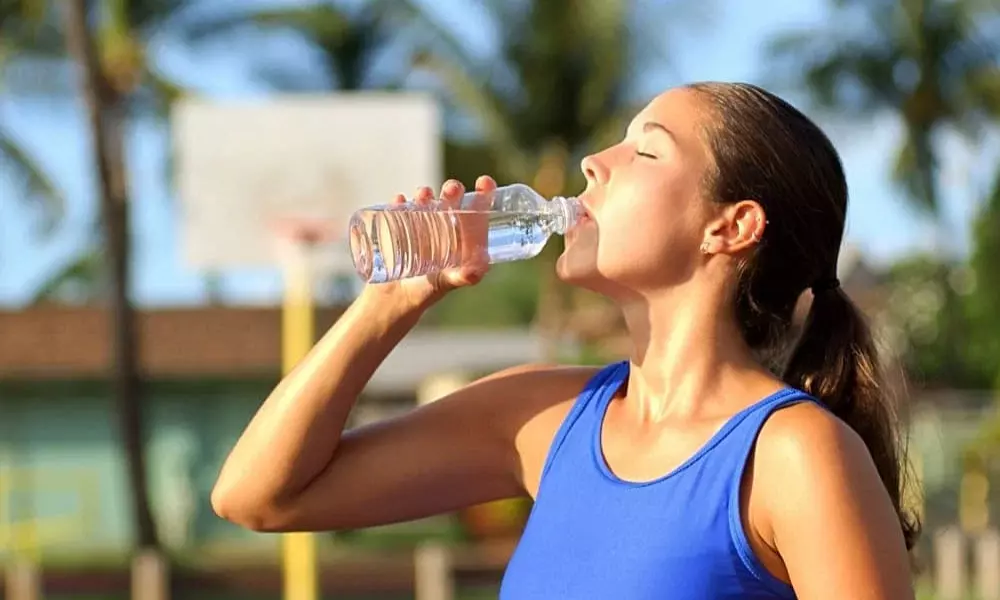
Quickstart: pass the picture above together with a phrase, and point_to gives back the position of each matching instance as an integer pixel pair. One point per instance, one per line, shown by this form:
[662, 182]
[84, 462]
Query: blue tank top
[592, 535]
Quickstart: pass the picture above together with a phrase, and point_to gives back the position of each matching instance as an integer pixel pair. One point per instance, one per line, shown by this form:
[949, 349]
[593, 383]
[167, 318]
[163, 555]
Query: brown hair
[766, 150]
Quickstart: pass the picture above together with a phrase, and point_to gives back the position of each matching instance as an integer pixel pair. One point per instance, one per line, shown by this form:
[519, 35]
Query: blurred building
[61, 471]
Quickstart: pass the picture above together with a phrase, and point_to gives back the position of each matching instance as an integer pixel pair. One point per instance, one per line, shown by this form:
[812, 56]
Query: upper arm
[461, 450]
[828, 512]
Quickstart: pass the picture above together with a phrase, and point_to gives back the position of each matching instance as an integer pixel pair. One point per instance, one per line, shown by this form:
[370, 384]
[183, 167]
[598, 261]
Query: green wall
[60, 441]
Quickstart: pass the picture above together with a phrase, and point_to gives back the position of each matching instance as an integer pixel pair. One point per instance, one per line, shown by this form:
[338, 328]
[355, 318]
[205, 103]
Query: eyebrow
[654, 126]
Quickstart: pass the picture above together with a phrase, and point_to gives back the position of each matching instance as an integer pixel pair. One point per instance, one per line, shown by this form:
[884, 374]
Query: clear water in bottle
[393, 242]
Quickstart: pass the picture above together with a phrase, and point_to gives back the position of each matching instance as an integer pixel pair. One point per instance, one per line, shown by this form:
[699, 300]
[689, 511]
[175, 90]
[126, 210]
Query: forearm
[295, 433]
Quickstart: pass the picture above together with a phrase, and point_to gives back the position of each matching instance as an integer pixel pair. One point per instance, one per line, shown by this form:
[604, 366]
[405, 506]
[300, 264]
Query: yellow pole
[6, 512]
[297, 329]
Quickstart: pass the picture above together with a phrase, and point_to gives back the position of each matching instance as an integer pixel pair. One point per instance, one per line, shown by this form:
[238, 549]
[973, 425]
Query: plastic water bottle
[397, 241]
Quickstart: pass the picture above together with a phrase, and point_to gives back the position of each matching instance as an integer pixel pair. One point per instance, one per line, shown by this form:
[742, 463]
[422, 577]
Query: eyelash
[645, 154]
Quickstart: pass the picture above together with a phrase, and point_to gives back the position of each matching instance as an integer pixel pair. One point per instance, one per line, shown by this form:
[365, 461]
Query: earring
[704, 247]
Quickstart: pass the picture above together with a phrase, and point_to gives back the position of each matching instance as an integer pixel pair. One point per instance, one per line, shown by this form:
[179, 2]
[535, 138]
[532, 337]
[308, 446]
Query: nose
[594, 169]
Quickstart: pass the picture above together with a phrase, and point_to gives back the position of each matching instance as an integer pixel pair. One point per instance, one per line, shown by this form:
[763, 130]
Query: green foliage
[984, 298]
[24, 24]
[555, 90]
[943, 321]
[32, 185]
[507, 297]
[558, 83]
[80, 281]
[347, 41]
[925, 317]
[31, 39]
[931, 62]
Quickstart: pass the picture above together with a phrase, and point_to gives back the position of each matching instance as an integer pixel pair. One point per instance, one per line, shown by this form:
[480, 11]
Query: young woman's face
[647, 212]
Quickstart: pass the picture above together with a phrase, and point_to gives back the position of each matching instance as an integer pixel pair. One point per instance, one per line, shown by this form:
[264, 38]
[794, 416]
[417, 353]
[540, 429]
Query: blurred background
[143, 320]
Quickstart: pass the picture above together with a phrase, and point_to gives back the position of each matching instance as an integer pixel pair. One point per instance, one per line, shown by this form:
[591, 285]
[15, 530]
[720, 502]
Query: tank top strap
[595, 393]
[741, 441]
[745, 426]
[739, 435]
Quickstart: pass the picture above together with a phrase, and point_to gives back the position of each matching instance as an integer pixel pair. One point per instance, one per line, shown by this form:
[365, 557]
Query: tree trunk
[105, 112]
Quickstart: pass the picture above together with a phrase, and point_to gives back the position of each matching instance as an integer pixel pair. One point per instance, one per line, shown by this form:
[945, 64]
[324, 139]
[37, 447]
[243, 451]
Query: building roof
[229, 342]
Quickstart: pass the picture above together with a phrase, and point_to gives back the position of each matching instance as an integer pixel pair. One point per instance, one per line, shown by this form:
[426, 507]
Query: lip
[587, 214]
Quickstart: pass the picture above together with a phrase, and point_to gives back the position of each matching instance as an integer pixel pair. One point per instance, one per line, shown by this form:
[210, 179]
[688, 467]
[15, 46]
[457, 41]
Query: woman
[690, 471]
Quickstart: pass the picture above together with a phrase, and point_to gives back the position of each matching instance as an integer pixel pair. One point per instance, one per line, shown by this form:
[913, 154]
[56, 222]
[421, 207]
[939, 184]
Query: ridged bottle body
[392, 242]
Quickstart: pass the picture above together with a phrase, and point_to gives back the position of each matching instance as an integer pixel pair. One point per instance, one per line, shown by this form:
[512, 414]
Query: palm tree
[108, 45]
[557, 89]
[932, 64]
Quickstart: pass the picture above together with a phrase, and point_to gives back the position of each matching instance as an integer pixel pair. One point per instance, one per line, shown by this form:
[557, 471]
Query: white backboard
[243, 165]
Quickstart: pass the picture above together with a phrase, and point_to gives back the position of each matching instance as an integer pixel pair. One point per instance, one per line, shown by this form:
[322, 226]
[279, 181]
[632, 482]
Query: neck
[683, 354]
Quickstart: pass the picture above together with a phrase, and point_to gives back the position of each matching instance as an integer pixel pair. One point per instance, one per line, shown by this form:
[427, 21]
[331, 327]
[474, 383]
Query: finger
[455, 278]
[485, 186]
[485, 183]
[424, 196]
[449, 280]
[452, 192]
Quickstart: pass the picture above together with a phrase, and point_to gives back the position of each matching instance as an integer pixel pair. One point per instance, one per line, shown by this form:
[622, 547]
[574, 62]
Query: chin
[579, 272]
[583, 274]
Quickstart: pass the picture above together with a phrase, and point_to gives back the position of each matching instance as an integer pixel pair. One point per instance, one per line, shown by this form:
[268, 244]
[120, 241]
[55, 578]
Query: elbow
[246, 510]
[231, 505]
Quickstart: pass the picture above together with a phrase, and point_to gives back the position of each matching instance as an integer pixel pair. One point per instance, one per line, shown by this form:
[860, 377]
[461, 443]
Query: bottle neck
[567, 212]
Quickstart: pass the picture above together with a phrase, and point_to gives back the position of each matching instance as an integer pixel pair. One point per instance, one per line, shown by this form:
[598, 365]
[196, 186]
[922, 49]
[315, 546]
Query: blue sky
[723, 45]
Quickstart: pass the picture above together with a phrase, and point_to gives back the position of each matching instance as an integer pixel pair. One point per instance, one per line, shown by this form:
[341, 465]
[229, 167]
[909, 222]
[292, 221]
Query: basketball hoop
[308, 231]
[305, 241]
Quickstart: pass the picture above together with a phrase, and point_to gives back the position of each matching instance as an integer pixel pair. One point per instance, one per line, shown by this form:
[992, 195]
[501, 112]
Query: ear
[737, 227]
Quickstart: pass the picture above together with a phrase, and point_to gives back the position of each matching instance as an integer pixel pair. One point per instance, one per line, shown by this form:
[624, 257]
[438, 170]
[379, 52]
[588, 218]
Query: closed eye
[646, 154]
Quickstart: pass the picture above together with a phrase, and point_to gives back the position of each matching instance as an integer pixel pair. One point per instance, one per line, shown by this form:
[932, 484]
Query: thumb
[460, 277]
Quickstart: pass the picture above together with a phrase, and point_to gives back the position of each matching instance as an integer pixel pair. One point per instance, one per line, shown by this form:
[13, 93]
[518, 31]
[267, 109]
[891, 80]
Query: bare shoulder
[805, 452]
[808, 435]
[825, 508]
[539, 399]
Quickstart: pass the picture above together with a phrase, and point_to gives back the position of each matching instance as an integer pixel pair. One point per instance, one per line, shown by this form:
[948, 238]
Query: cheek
[646, 234]
[640, 244]
[650, 241]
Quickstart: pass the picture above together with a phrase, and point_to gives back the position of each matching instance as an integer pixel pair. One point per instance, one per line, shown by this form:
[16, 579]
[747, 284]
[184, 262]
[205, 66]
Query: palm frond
[78, 281]
[347, 42]
[149, 16]
[929, 62]
[916, 170]
[984, 85]
[857, 79]
[30, 25]
[157, 94]
[32, 184]
[313, 21]
[485, 107]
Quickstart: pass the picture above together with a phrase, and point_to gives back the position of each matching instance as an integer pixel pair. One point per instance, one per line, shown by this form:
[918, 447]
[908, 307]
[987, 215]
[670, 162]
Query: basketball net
[299, 242]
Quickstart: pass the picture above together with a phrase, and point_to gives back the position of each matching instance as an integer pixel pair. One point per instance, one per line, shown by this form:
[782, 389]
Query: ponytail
[836, 361]
[765, 150]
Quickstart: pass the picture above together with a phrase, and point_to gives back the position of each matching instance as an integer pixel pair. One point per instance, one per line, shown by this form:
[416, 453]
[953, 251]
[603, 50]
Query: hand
[472, 229]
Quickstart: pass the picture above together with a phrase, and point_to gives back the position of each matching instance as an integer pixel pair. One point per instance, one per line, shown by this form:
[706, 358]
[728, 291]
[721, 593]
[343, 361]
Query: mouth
[586, 215]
